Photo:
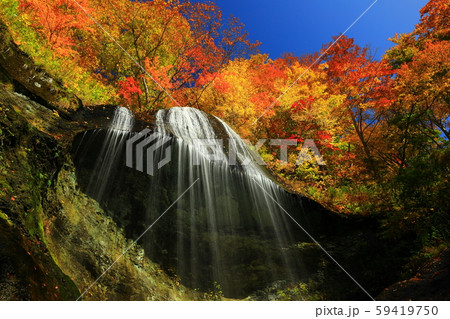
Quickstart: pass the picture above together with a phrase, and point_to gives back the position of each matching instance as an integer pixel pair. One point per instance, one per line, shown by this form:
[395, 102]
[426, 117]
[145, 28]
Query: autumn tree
[61, 22]
[170, 44]
[418, 124]
[164, 45]
[419, 119]
[366, 85]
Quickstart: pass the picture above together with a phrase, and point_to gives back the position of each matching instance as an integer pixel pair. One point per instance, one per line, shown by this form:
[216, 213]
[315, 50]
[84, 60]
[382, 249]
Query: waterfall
[237, 197]
[112, 146]
[123, 120]
[227, 230]
[195, 127]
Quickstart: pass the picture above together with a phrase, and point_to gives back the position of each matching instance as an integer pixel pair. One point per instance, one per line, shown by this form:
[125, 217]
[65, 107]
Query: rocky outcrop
[31, 80]
[56, 240]
[27, 167]
[86, 242]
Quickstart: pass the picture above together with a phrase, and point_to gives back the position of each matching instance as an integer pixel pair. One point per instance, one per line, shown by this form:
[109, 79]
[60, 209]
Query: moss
[308, 291]
[21, 216]
[6, 218]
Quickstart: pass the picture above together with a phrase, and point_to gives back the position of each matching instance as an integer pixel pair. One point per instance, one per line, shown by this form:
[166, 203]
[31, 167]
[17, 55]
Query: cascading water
[113, 140]
[196, 129]
[228, 229]
[231, 198]
[122, 121]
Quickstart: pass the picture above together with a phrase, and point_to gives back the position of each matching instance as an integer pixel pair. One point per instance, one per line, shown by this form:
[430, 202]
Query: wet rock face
[32, 81]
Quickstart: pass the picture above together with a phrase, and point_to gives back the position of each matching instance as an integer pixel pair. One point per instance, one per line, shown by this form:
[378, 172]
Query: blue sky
[302, 26]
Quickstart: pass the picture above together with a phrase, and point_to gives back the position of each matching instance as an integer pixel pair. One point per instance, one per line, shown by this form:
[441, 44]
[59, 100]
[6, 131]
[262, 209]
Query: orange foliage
[60, 21]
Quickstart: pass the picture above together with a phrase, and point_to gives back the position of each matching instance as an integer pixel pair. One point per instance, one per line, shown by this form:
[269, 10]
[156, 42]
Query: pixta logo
[154, 150]
[143, 146]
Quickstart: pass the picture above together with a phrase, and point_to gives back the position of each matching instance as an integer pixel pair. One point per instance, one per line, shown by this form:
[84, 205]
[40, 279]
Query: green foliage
[300, 291]
[422, 196]
[402, 53]
[215, 293]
